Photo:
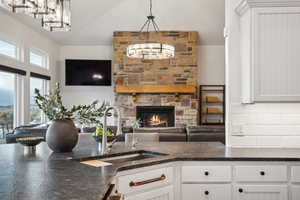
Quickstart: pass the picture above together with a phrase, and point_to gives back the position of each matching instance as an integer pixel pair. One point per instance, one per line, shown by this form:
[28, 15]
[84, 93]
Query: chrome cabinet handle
[136, 184]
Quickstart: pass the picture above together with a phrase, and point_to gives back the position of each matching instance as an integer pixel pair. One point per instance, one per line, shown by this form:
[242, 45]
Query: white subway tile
[243, 141]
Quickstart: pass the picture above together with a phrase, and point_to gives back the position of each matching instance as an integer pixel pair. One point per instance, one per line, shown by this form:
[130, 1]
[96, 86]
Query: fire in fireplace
[156, 116]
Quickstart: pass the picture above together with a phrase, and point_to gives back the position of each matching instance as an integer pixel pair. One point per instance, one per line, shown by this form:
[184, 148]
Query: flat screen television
[88, 72]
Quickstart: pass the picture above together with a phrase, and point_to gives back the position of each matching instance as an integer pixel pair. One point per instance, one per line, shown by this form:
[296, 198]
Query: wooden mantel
[152, 89]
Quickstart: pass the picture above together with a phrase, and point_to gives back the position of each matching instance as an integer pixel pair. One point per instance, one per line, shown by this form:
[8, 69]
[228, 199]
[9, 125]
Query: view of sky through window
[36, 59]
[7, 49]
[7, 92]
[35, 112]
[6, 89]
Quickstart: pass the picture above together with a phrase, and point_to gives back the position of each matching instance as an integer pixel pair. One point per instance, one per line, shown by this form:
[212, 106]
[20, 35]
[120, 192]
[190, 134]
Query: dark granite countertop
[51, 176]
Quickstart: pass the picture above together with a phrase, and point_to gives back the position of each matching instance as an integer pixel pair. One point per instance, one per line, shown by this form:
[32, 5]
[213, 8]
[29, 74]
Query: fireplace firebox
[156, 116]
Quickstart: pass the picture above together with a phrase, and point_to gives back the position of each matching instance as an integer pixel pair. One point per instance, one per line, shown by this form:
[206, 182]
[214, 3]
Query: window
[8, 49]
[7, 102]
[36, 115]
[38, 58]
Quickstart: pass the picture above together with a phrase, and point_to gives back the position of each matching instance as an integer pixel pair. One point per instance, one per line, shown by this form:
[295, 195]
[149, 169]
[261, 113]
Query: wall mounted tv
[88, 72]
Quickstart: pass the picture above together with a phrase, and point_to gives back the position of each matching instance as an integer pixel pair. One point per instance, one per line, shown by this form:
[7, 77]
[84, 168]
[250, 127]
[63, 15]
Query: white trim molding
[244, 5]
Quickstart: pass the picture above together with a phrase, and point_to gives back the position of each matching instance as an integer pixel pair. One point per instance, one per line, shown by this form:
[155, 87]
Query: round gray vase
[62, 136]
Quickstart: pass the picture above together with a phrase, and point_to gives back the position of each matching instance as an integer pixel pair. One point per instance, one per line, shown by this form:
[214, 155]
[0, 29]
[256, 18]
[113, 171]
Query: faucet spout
[119, 128]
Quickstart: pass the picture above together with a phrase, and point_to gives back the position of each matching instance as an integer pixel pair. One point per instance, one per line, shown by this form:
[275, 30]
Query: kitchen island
[53, 176]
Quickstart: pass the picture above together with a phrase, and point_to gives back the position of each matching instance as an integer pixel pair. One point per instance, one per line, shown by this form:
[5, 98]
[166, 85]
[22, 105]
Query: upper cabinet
[270, 50]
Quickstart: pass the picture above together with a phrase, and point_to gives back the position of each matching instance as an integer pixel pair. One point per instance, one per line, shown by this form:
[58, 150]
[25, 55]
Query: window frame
[18, 49]
[45, 90]
[21, 67]
[44, 55]
[18, 91]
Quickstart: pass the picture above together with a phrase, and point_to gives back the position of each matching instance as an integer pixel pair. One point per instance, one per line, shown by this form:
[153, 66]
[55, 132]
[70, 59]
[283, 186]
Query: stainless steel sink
[120, 158]
[131, 157]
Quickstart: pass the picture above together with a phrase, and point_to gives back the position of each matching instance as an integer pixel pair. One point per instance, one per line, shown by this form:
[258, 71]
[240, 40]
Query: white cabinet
[142, 181]
[238, 181]
[261, 173]
[295, 179]
[295, 190]
[149, 183]
[212, 180]
[269, 41]
[206, 173]
[206, 191]
[165, 193]
[295, 174]
[260, 192]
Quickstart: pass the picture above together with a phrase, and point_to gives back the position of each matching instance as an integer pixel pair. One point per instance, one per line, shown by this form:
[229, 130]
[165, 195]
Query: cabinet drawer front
[261, 173]
[145, 180]
[260, 192]
[207, 191]
[295, 174]
[295, 192]
[165, 193]
[206, 173]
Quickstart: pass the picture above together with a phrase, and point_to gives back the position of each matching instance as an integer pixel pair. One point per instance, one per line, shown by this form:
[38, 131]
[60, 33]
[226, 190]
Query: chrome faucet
[104, 147]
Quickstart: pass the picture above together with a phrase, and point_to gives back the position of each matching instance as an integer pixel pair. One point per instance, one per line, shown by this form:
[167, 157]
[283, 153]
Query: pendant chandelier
[55, 14]
[150, 50]
[19, 6]
[60, 20]
[43, 7]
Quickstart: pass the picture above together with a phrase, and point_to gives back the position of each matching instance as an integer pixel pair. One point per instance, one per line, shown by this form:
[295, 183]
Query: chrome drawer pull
[136, 184]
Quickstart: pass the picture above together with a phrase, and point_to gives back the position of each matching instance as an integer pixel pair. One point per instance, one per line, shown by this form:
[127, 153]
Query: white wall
[12, 29]
[26, 38]
[211, 63]
[260, 124]
[73, 95]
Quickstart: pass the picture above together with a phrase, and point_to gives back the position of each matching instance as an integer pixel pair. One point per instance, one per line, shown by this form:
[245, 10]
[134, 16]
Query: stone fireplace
[156, 116]
[157, 83]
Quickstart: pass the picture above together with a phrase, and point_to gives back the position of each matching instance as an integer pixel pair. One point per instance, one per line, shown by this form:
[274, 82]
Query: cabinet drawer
[207, 191]
[260, 192]
[206, 173]
[261, 173]
[145, 180]
[165, 193]
[295, 174]
[295, 192]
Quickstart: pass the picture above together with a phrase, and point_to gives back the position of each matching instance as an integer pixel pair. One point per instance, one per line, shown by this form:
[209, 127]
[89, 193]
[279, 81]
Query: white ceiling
[94, 21]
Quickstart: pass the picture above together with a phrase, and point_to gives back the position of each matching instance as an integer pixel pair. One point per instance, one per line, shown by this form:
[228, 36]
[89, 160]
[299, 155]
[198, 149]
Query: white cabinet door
[269, 52]
[295, 192]
[261, 192]
[276, 62]
[165, 193]
[295, 174]
[206, 192]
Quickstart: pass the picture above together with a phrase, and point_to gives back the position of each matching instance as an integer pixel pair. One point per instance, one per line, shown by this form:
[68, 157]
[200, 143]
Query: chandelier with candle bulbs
[54, 14]
[150, 50]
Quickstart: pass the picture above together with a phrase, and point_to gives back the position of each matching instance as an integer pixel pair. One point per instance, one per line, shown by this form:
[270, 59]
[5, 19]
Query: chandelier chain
[151, 8]
[149, 50]
[150, 20]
